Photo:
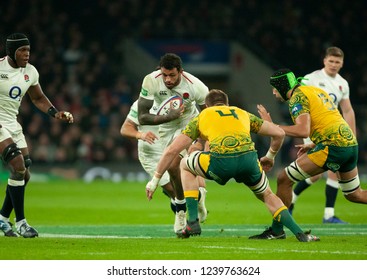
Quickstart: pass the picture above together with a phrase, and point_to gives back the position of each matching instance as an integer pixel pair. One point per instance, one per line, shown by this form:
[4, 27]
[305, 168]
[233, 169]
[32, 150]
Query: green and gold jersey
[327, 124]
[227, 128]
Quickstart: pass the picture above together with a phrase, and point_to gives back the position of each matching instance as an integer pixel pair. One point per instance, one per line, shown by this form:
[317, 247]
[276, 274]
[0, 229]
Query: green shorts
[243, 167]
[334, 158]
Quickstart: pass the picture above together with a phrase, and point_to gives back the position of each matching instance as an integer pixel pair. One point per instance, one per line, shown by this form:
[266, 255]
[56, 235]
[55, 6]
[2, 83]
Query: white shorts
[17, 136]
[149, 156]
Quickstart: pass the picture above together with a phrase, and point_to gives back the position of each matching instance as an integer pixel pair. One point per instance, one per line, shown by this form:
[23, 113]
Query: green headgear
[283, 80]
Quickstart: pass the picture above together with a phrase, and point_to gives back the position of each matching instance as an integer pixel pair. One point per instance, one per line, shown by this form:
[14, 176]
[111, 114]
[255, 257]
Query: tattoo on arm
[145, 118]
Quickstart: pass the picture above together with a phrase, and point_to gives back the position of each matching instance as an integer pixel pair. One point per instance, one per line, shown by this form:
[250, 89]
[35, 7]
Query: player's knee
[189, 162]
[261, 186]
[10, 152]
[294, 173]
[349, 187]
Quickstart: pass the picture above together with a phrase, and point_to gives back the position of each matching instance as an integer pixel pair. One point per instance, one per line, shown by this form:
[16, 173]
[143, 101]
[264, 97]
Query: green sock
[192, 208]
[286, 219]
[277, 227]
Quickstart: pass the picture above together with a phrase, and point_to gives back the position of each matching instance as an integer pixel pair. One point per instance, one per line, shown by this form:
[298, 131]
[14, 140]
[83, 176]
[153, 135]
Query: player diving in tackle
[231, 154]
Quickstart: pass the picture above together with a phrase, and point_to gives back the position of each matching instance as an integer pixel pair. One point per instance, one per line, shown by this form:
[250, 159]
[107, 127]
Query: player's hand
[174, 114]
[150, 188]
[266, 163]
[65, 116]
[264, 114]
[303, 148]
[149, 137]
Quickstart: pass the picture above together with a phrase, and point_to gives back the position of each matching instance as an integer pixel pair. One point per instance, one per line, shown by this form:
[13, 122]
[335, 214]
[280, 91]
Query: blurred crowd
[76, 47]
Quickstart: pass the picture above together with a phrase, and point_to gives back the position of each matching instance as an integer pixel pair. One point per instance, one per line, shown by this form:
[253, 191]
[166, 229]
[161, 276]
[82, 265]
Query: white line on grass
[265, 251]
[338, 230]
[51, 235]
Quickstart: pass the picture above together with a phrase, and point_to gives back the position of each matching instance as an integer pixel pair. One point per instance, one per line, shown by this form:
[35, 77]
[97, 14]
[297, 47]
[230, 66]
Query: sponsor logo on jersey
[333, 97]
[296, 108]
[4, 76]
[163, 92]
[144, 92]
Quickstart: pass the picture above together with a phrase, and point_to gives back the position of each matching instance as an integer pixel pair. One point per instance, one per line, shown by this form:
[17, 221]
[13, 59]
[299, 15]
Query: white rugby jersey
[14, 83]
[337, 87]
[191, 89]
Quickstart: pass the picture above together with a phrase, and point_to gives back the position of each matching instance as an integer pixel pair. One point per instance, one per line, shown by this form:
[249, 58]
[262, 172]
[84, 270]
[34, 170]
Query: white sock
[328, 212]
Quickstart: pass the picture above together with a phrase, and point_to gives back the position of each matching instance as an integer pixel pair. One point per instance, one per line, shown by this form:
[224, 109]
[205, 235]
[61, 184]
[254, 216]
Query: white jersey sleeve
[133, 113]
[149, 86]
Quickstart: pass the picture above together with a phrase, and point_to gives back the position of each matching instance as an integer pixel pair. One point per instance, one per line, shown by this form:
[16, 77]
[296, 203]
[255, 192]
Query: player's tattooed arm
[146, 118]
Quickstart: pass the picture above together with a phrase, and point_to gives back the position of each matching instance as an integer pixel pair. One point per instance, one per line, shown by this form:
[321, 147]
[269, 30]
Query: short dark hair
[171, 61]
[334, 51]
[216, 97]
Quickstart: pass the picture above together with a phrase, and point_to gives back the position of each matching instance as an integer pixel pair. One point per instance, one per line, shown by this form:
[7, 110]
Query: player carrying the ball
[168, 81]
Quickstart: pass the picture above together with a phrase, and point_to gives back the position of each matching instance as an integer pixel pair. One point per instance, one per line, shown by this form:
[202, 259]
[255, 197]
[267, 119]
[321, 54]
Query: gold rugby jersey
[227, 128]
[328, 126]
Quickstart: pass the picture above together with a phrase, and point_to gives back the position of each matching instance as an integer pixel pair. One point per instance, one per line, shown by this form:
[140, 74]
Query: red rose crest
[26, 78]
[186, 95]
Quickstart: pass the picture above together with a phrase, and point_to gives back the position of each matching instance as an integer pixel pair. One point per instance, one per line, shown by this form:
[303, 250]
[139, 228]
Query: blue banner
[201, 57]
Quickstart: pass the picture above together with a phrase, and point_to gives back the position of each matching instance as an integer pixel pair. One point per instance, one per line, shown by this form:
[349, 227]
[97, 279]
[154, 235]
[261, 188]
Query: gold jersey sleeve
[327, 124]
[227, 128]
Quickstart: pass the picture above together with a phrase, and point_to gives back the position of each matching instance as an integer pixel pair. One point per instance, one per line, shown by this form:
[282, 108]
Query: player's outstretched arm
[41, 101]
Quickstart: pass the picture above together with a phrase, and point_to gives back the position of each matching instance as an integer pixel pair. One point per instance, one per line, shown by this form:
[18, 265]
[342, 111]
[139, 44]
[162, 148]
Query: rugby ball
[173, 102]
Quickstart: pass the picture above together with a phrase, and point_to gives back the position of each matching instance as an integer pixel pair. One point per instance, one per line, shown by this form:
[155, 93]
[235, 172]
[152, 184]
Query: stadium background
[92, 57]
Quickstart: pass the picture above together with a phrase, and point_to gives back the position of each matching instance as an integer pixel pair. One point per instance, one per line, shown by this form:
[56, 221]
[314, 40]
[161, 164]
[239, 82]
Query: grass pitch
[114, 221]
